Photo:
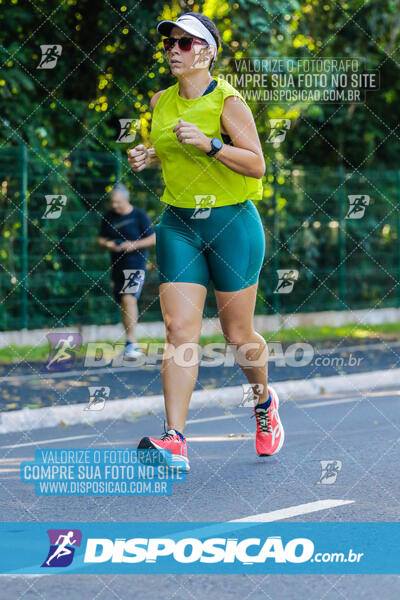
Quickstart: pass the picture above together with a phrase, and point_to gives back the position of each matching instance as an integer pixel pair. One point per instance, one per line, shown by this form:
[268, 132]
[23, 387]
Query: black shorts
[128, 281]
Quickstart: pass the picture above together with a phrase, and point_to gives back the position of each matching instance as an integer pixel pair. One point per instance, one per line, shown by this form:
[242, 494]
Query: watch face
[217, 144]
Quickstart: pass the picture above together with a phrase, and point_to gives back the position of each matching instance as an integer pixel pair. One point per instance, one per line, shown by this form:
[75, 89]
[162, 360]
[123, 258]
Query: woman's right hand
[139, 158]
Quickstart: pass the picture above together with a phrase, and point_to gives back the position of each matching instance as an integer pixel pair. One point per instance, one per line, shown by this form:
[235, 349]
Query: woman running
[204, 136]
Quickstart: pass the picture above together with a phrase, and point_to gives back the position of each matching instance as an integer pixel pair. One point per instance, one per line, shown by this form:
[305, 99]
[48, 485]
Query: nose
[175, 51]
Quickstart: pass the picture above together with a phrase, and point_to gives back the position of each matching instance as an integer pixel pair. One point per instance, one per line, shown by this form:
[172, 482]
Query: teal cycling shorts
[225, 244]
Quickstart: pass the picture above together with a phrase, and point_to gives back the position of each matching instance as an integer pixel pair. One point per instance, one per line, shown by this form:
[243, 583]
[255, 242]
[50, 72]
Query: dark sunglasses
[184, 43]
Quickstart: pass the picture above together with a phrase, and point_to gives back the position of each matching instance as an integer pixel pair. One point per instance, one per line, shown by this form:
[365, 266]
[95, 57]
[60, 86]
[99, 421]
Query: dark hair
[212, 28]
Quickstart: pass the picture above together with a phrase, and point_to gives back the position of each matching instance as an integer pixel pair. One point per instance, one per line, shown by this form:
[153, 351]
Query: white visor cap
[189, 24]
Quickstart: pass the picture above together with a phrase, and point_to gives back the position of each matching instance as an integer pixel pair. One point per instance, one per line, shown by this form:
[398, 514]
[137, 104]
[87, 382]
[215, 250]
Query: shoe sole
[132, 357]
[282, 436]
[171, 460]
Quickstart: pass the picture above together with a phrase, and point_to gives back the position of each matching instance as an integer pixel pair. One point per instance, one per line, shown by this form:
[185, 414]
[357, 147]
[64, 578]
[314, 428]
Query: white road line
[292, 511]
[328, 402]
[39, 442]
[236, 437]
[220, 418]
[276, 515]
[385, 393]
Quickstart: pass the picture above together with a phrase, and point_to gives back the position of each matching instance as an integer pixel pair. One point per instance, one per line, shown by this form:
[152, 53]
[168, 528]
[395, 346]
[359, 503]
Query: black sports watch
[216, 146]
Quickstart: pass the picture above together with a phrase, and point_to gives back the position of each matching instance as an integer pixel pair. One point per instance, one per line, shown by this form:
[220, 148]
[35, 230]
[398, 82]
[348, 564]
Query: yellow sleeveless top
[187, 171]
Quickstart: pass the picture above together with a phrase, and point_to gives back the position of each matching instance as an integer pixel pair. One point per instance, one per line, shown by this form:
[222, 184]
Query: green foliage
[111, 64]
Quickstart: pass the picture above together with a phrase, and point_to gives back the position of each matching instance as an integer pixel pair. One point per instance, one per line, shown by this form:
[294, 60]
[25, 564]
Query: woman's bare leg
[182, 307]
[236, 311]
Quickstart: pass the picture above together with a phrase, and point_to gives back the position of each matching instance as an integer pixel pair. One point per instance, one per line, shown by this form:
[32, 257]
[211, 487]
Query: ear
[212, 54]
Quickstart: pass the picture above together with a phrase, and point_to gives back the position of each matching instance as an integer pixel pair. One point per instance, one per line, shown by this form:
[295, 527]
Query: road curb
[228, 397]
[210, 326]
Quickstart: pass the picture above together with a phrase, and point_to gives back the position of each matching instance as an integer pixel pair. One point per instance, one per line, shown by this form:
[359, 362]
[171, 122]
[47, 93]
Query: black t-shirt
[135, 225]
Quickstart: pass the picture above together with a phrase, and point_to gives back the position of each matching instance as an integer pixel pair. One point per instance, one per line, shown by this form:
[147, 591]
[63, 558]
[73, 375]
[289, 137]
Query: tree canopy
[112, 63]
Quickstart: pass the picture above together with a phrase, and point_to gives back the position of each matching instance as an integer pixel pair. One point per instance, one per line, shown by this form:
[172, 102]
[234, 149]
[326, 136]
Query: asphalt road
[27, 384]
[227, 481]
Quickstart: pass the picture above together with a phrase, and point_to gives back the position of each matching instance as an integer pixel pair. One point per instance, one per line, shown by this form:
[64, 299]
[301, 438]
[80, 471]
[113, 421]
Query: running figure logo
[54, 206]
[97, 397]
[251, 393]
[129, 127]
[202, 56]
[287, 278]
[134, 279]
[329, 471]
[204, 203]
[357, 205]
[62, 350]
[61, 551]
[50, 55]
[279, 129]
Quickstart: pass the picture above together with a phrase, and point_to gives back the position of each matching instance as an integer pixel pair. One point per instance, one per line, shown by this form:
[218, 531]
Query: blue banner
[221, 548]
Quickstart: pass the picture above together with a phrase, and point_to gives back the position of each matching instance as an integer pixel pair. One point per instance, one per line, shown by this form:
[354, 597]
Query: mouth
[175, 63]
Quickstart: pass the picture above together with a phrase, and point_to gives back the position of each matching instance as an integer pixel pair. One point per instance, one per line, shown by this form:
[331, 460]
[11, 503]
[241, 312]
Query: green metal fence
[53, 273]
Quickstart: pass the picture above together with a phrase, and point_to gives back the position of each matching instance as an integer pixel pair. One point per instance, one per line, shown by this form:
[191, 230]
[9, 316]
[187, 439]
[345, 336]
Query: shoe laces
[166, 434]
[262, 416]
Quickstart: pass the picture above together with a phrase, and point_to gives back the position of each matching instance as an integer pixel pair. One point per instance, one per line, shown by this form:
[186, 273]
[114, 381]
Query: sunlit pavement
[229, 481]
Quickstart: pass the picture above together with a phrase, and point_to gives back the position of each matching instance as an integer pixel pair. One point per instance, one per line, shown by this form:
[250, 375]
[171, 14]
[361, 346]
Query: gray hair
[120, 187]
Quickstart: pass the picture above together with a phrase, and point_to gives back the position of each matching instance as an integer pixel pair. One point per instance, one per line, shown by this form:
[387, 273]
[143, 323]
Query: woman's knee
[181, 329]
[248, 345]
[237, 334]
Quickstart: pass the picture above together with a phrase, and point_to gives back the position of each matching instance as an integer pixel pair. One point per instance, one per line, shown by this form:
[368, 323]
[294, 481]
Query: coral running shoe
[270, 434]
[170, 440]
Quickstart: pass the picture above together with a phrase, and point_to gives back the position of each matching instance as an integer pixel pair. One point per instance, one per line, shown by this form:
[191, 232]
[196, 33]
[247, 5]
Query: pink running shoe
[270, 434]
[170, 440]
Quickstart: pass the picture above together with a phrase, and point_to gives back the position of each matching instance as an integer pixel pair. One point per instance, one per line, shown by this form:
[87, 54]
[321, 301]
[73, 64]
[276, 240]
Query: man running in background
[127, 232]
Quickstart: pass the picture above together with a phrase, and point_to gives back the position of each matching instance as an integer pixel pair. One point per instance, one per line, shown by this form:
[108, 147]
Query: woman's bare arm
[245, 156]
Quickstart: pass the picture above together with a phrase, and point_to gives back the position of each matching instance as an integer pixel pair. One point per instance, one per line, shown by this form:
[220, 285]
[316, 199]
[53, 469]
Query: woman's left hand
[189, 133]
